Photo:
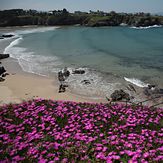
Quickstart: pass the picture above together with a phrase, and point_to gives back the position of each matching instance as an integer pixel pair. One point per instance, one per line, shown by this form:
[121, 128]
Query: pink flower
[98, 148]
[146, 154]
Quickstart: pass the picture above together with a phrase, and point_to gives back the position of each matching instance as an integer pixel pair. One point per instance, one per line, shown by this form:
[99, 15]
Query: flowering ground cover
[57, 131]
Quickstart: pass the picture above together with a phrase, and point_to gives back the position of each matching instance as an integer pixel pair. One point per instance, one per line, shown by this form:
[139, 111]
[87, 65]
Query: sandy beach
[20, 85]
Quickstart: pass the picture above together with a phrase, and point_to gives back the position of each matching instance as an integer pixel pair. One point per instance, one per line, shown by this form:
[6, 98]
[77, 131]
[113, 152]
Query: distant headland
[20, 17]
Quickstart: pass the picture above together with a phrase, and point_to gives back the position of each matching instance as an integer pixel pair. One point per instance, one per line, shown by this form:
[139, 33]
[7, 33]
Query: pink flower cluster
[58, 131]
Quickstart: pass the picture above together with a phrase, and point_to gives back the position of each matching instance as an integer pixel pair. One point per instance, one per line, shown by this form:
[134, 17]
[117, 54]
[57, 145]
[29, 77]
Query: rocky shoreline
[3, 72]
[151, 94]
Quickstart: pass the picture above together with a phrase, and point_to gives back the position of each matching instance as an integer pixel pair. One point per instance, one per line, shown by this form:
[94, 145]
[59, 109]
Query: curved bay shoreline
[20, 85]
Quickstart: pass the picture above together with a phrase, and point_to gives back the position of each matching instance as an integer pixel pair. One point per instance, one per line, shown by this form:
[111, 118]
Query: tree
[65, 12]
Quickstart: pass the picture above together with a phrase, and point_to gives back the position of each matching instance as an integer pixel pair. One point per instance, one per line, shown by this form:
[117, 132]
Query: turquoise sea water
[108, 54]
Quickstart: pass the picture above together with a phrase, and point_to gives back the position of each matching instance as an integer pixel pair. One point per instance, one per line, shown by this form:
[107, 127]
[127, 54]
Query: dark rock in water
[118, 95]
[7, 36]
[61, 76]
[78, 71]
[152, 90]
[161, 91]
[1, 79]
[86, 82]
[66, 72]
[3, 56]
[1, 38]
[2, 70]
[150, 86]
[5, 74]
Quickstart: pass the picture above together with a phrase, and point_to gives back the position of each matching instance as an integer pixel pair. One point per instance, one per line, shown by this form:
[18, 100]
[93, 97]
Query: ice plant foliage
[57, 131]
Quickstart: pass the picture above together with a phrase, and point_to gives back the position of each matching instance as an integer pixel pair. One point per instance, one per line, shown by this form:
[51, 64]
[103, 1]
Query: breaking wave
[136, 82]
[28, 60]
[148, 27]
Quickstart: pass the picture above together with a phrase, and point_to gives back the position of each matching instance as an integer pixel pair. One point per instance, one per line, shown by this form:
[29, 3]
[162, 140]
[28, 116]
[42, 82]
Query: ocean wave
[8, 49]
[24, 31]
[148, 27]
[136, 82]
[18, 33]
[35, 30]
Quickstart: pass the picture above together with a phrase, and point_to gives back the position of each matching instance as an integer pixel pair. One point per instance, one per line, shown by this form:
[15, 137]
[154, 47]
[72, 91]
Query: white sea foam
[18, 33]
[98, 87]
[148, 27]
[136, 82]
[31, 62]
[28, 60]
[42, 65]
[123, 24]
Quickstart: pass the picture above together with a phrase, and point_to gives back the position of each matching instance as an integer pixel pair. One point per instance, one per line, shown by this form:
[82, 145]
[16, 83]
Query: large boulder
[152, 91]
[66, 72]
[61, 76]
[2, 56]
[118, 95]
[2, 70]
[62, 88]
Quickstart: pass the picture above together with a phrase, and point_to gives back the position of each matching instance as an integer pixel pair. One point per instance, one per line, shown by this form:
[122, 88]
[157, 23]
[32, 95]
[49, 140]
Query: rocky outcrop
[78, 71]
[85, 82]
[7, 36]
[61, 76]
[66, 72]
[2, 70]
[5, 74]
[152, 91]
[62, 88]
[3, 56]
[118, 95]
[2, 79]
